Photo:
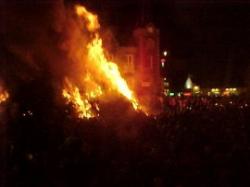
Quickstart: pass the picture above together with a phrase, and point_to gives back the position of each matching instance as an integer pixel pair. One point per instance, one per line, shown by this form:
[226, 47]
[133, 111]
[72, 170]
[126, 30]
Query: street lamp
[165, 53]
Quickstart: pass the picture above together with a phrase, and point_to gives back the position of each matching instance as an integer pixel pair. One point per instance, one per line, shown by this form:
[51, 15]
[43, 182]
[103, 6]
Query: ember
[4, 95]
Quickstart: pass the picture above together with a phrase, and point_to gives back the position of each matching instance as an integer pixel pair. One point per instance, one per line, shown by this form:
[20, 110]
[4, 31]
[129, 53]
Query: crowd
[181, 104]
[195, 142]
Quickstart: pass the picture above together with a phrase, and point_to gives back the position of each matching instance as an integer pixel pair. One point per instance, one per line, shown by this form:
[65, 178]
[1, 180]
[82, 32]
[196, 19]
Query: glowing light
[4, 95]
[230, 91]
[27, 113]
[187, 94]
[163, 62]
[215, 91]
[165, 53]
[171, 94]
[196, 89]
[188, 83]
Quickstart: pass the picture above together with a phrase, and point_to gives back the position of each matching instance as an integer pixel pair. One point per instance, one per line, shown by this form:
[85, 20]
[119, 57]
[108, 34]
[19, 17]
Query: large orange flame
[109, 70]
[100, 68]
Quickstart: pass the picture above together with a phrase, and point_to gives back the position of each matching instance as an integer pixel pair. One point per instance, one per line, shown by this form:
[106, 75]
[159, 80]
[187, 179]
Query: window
[130, 61]
[111, 57]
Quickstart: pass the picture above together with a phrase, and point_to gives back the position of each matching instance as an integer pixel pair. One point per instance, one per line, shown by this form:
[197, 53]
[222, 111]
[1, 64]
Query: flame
[100, 70]
[4, 95]
[92, 19]
[109, 70]
[81, 102]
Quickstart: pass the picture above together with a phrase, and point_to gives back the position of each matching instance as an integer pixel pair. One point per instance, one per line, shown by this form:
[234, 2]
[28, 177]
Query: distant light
[171, 94]
[226, 93]
[163, 62]
[188, 83]
[27, 113]
[187, 94]
[165, 53]
[196, 89]
[215, 91]
[30, 112]
[230, 91]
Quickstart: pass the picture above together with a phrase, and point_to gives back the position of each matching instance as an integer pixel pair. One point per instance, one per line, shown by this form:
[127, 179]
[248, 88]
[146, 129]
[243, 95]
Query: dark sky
[208, 39]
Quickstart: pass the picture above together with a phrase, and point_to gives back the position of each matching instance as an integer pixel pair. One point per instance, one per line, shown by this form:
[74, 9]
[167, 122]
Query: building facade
[140, 64]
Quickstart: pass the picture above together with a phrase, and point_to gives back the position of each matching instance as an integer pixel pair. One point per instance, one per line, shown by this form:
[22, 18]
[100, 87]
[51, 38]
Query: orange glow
[99, 77]
[4, 95]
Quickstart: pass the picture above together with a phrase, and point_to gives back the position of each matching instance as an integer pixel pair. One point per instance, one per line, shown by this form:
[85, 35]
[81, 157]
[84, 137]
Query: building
[140, 64]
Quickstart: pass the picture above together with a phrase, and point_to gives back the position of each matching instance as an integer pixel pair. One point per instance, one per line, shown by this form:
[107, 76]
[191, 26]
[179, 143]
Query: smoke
[40, 39]
[28, 39]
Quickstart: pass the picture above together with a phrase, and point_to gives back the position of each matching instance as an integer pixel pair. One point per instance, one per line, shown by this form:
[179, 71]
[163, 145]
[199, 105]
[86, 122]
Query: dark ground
[205, 146]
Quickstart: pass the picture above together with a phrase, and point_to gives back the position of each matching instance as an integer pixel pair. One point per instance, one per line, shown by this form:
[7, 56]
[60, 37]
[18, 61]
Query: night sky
[210, 40]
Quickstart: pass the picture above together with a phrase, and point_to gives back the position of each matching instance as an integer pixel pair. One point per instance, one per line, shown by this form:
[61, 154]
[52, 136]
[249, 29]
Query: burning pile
[100, 77]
